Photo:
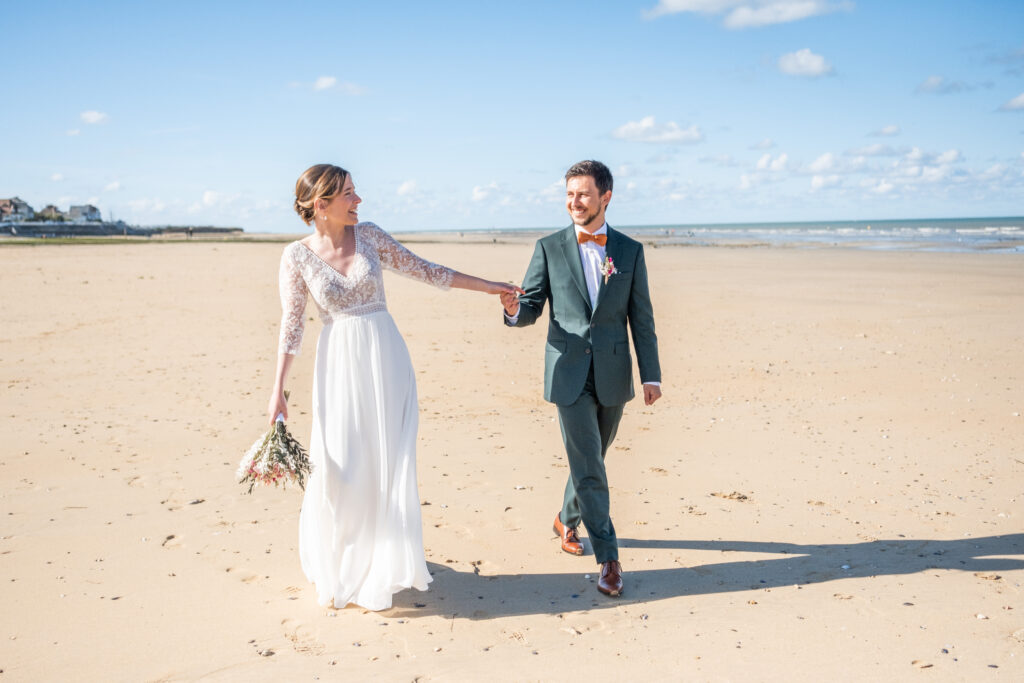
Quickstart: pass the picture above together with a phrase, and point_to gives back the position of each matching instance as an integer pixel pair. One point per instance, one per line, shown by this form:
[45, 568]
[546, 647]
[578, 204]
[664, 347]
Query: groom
[596, 280]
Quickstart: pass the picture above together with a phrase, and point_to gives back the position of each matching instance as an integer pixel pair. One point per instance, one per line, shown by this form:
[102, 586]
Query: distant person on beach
[595, 280]
[360, 535]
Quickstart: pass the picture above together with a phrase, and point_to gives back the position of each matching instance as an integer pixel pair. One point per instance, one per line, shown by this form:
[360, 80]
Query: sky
[465, 115]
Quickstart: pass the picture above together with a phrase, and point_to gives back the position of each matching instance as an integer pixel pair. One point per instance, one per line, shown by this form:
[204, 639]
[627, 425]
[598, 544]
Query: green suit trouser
[588, 429]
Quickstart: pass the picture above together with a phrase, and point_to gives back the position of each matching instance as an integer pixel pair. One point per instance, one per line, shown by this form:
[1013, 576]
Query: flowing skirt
[360, 535]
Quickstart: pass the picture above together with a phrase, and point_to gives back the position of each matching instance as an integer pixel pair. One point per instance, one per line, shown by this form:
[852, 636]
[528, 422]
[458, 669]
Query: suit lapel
[571, 251]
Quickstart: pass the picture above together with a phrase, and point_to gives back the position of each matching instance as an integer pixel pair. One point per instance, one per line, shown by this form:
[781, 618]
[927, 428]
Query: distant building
[87, 212]
[15, 209]
[50, 213]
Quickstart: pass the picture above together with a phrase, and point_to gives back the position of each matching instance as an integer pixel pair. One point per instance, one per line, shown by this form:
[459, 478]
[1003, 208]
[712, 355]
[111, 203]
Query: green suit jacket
[577, 334]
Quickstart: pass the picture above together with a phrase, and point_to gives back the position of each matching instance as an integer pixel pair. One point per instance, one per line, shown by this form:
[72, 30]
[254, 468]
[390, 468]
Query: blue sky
[466, 114]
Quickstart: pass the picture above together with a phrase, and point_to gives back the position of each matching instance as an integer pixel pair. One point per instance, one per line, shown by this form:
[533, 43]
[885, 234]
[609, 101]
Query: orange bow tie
[583, 236]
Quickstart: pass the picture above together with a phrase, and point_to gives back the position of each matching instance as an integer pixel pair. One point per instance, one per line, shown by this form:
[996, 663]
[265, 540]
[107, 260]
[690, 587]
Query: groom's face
[586, 207]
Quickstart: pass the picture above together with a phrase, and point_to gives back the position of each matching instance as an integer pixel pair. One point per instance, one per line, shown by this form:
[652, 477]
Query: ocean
[1004, 234]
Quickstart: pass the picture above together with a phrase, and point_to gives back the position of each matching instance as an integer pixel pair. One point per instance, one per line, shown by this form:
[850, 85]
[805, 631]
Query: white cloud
[553, 192]
[820, 182]
[875, 150]
[646, 130]
[994, 171]
[482, 192]
[661, 158]
[767, 163]
[949, 156]
[880, 186]
[804, 63]
[212, 198]
[147, 205]
[325, 82]
[939, 85]
[825, 162]
[408, 187]
[909, 171]
[749, 13]
[1015, 104]
[113, 186]
[94, 117]
[886, 131]
[93, 200]
[73, 132]
[934, 174]
[332, 83]
[767, 143]
[717, 159]
[57, 177]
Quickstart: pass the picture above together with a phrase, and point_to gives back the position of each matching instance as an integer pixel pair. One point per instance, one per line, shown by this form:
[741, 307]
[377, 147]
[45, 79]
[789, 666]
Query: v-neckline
[352, 263]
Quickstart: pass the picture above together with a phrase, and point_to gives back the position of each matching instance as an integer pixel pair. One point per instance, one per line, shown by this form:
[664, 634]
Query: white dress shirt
[592, 256]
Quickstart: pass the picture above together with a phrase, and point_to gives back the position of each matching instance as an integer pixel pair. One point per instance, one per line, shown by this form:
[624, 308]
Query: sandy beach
[832, 487]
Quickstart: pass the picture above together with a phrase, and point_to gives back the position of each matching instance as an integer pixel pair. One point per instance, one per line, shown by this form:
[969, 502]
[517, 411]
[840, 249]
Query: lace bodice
[338, 296]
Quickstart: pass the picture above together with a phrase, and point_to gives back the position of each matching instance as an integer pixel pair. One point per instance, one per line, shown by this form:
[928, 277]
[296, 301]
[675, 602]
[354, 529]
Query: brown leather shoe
[570, 539]
[610, 582]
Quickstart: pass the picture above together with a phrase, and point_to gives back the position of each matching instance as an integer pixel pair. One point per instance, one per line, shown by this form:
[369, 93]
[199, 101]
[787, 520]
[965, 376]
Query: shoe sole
[610, 594]
[555, 529]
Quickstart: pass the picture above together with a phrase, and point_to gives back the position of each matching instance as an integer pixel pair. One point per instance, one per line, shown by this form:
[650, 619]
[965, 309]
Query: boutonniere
[608, 268]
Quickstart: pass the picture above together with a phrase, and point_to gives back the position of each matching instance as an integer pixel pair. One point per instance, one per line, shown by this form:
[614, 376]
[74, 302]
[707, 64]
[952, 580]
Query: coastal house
[86, 212]
[50, 213]
[15, 209]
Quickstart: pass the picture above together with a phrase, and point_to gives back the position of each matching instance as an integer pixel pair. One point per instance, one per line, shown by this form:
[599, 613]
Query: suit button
[587, 351]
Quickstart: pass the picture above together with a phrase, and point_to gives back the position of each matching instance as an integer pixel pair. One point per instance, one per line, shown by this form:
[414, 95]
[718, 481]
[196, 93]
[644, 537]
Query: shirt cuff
[653, 384]
[512, 319]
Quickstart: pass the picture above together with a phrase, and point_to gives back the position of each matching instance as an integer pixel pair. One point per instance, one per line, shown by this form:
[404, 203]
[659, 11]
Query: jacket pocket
[622, 349]
[620, 276]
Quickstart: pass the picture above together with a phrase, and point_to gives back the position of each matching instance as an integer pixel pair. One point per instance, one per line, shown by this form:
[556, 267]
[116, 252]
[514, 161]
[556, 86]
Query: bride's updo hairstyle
[322, 181]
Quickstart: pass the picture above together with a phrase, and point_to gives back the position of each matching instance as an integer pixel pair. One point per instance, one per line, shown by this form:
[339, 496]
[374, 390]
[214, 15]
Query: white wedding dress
[360, 535]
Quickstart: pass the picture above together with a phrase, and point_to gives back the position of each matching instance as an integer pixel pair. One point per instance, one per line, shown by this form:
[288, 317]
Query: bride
[360, 537]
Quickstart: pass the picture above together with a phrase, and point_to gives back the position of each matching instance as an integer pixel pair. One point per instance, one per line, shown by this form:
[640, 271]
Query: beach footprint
[302, 637]
[242, 575]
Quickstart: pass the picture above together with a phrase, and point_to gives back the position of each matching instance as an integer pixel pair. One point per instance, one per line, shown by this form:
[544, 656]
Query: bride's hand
[503, 288]
[277, 406]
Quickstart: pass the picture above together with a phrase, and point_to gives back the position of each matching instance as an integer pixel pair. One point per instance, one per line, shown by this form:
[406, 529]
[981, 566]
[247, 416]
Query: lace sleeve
[394, 256]
[293, 304]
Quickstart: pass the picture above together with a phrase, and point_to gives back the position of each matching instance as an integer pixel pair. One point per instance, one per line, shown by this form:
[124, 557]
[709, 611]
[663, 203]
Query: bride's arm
[397, 257]
[278, 405]
[476, 284]
[293, 306]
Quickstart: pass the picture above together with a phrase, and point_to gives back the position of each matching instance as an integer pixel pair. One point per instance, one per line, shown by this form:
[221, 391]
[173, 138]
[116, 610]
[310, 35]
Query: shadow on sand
[474, 596]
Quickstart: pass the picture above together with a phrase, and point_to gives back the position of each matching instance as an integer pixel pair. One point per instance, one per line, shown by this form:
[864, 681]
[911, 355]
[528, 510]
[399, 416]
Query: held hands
[510, 302]
[652, 392]
[503, 289]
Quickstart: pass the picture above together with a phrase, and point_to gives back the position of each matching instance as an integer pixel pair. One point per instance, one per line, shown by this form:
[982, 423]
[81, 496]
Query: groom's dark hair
[596, 170]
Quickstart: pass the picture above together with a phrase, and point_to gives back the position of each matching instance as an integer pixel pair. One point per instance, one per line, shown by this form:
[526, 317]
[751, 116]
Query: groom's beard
[588, 219]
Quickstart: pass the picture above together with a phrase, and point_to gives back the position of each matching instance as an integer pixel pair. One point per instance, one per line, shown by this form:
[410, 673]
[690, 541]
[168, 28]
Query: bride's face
[343, 208]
